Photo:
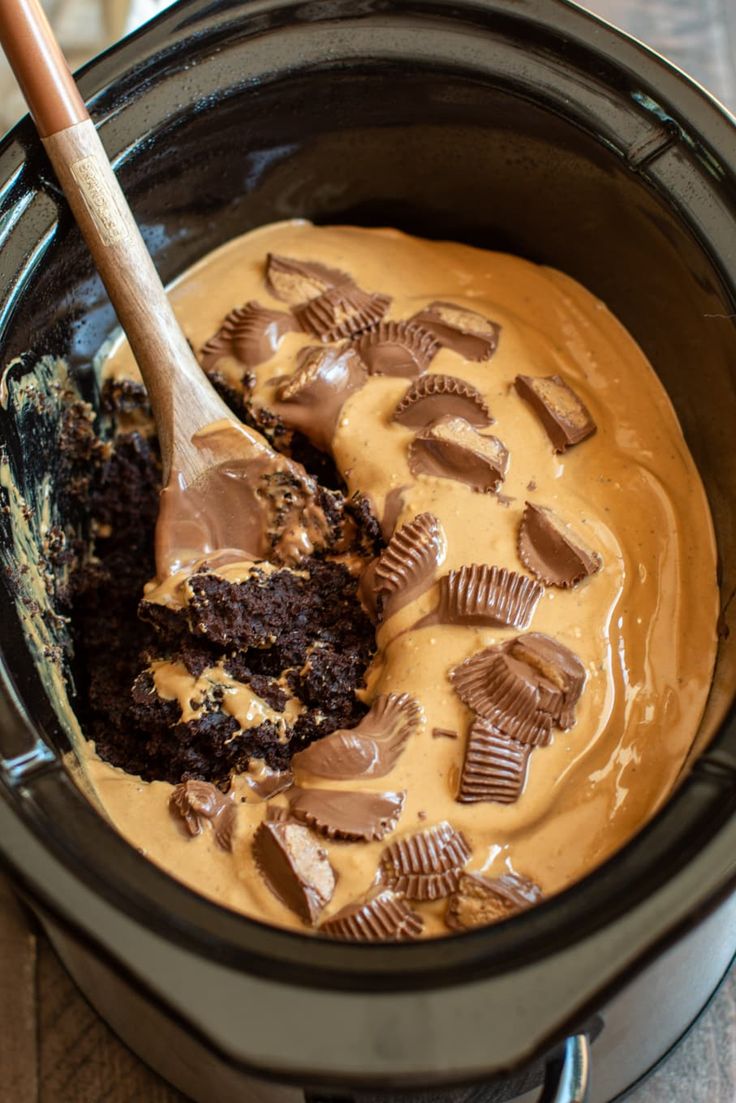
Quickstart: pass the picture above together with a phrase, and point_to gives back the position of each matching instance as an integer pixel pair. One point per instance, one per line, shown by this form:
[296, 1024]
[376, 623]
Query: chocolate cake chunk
[127, 401]
[282, 634]
[290, 610]
[209, 747]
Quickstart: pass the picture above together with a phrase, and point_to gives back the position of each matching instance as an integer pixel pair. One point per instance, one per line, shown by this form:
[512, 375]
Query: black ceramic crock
[523, 125]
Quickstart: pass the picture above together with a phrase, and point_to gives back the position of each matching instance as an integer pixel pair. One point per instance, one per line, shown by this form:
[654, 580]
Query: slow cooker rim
[96, 69]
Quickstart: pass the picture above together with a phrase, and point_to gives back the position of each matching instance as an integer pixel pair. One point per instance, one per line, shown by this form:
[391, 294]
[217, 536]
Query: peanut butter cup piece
[459, 329]
[406, 567]
[435, 396]
[386, 917]
[311, 399]
[251, 334]
[371, 748]
[565, 418]
[480, 900]
[277, 813]
[450, 448]
[297, 281]
[551, 551]
[504, 691]
[295, 866]
[343, 311]
[392, 508]
[444, 733]
[427, 865]
[397, 348]
[490, 597]
[560, 674]
[523, 687]
[340, 814]
[265, 784]
[495, 766]
[195, 803]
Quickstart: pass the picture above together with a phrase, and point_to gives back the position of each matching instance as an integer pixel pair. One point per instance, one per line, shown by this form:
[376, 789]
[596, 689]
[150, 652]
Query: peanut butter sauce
[644, 626]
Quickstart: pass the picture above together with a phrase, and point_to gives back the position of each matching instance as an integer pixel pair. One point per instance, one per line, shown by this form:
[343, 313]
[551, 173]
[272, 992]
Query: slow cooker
[523, 125]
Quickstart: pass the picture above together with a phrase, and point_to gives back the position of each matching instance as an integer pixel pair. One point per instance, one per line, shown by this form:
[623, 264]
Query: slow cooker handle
[567, 1079]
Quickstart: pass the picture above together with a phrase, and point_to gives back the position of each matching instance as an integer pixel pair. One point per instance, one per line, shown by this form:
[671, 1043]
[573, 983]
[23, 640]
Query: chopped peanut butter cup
[565, 418]
[392, 508]
[482, 900]
[341, 814]
[406, 568]
[552, 551]
[397, 348]
[459, 329]
[251, 334]
[503, 691]
[385, 917]
[296, 281]
[444, 733]
[523, 687]
[560, 674]
[344, 311]
[495, 766]
[427, 865]
[450, 448]
[371, 748]
[488, 596]
[195, 803]
[435, 396]
[295, 866]
[311, 399]
[266, 784]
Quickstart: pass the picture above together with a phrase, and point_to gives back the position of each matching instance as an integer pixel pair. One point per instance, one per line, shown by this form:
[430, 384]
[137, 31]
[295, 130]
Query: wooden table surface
[55, 1049]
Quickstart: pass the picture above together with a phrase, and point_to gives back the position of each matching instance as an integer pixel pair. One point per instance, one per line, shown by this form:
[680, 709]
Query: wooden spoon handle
[181, 396]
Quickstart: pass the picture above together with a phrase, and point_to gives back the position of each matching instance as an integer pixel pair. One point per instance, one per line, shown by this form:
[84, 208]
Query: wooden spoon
[218, 474]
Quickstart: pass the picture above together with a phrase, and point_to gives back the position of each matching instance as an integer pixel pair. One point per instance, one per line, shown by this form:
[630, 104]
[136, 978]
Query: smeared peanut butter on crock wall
[644, 626]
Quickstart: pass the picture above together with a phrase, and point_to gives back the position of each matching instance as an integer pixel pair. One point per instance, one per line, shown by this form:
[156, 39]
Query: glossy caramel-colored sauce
[644, 626]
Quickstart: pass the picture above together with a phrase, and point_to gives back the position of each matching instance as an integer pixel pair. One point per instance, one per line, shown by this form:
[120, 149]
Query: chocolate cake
[291, 635]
